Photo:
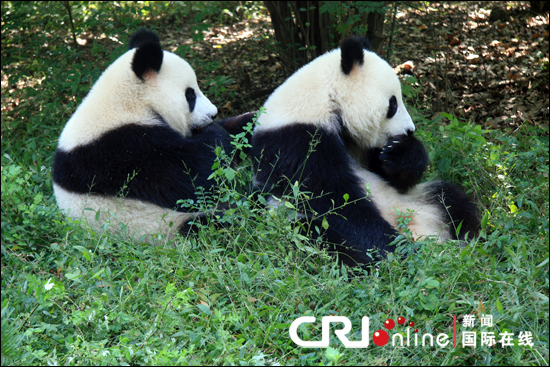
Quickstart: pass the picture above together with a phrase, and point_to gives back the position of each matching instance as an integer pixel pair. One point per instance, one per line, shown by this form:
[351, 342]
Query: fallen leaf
[454, 41]
[473, 59]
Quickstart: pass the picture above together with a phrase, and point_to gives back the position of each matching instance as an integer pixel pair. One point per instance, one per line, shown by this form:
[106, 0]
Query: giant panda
[141, 140]
[339, 128]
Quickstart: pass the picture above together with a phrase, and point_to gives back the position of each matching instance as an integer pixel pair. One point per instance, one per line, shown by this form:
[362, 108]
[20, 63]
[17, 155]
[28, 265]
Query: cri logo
[341, 334]
[380, 337]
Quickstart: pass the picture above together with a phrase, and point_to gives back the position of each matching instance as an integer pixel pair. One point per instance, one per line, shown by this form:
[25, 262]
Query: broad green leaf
[205, 309]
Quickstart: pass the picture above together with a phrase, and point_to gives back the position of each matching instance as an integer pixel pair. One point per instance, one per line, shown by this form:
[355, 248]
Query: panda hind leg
[334, 242]
[201, 220]
[458, 208]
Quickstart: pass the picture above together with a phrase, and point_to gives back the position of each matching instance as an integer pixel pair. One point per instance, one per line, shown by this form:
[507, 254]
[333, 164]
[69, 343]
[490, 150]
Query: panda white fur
[141, 140]
[337, 126]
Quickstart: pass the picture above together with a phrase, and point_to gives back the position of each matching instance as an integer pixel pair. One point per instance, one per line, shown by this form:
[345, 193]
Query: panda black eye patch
[392, 110]
[191, 98]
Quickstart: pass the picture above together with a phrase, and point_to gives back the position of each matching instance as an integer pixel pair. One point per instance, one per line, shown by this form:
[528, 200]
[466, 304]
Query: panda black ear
[142, 36]
[148, 57]
[352, 52]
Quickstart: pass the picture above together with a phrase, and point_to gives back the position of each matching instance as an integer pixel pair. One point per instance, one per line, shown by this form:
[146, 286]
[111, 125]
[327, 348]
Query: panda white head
[140, 85]
[349, 87]
[169, 84]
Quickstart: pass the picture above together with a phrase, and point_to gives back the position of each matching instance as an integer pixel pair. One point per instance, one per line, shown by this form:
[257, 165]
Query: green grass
[229, 296]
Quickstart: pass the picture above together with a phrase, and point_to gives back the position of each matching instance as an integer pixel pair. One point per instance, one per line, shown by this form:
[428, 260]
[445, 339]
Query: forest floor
[490, 72]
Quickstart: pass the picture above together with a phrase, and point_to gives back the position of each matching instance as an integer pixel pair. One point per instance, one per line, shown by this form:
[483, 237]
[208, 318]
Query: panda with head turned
[337, 126]
[141, 140]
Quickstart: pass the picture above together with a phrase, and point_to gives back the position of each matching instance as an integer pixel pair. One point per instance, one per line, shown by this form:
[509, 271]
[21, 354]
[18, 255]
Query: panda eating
[141, 140]
[338, 127]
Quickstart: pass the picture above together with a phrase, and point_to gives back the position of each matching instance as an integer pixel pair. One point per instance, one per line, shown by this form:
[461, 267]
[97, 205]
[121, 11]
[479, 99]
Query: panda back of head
[349, 87]
[144, 83]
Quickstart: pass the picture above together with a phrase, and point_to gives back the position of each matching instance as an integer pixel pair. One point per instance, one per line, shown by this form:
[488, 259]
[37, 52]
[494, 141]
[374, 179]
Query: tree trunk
[375, 30]
[307, 29]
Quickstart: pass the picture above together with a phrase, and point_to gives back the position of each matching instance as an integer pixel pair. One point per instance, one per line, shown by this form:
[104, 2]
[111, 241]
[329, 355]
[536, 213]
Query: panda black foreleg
[401, 162]
[318, 160]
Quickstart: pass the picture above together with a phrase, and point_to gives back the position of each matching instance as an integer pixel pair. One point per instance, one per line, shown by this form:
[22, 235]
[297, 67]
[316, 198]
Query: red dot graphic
[389, 324]
[416, 330]
[380, 338]
[401, 320]
[411, 324]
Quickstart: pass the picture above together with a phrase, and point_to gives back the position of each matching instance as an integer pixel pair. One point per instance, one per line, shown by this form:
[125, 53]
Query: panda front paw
[236, 124]
[403, 161]
[211, 129]
[396, 152]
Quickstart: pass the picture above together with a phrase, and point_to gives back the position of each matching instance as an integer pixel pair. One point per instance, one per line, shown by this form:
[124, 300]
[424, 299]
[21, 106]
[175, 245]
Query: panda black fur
[339, 125]
[141, 140]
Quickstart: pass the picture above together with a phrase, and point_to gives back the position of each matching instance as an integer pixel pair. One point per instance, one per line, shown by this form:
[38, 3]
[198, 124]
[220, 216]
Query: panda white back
[141, 140]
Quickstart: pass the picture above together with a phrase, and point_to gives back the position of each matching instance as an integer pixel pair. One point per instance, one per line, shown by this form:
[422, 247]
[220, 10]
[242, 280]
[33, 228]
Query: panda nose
[410, 132]
[212, 116]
